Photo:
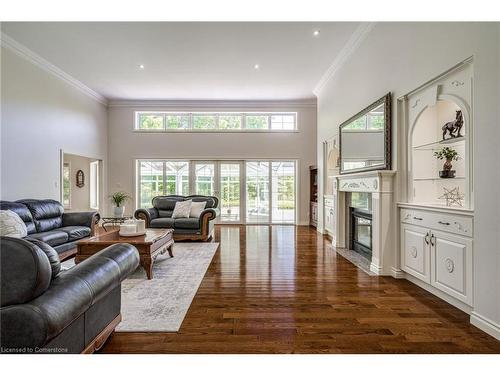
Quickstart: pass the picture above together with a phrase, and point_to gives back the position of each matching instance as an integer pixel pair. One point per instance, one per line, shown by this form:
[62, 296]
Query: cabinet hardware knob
[443, 223]
[450, 265]
[417, 218]
[427, 238]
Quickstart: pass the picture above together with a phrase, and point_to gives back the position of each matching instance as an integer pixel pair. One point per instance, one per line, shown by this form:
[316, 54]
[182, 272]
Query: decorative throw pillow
[11, 225]
[182, 209]
[196, 209]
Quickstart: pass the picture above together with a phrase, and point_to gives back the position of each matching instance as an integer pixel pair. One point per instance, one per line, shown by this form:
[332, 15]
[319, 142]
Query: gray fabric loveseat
[199, 228]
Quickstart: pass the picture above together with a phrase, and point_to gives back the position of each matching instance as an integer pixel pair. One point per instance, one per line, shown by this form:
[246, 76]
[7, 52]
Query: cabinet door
[329, 219]
[415, 251]
[452, 265]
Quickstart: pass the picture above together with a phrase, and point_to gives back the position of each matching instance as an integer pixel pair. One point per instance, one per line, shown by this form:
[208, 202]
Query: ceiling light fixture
[256, 66]
[141, 66]
[316, 33]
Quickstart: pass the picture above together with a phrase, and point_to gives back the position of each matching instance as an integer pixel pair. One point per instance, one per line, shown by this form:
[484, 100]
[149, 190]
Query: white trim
[357, 37]
[24, 52]
[485, 324]
[444, 296]
[397, 273]
[219, 105]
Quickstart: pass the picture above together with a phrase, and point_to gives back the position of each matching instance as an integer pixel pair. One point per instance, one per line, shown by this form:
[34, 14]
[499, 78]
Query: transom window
[220, 122]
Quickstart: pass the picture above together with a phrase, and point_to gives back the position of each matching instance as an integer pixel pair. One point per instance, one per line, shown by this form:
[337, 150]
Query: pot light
[316, 32]
[256, 66]
[141, 66]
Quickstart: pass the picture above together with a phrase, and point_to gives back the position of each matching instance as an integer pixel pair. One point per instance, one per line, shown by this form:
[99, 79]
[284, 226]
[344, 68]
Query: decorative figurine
[453, 196]
[449, 155]
[453, 127]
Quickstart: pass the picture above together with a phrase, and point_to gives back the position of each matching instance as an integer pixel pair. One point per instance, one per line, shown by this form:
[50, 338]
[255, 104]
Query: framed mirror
[365, 139]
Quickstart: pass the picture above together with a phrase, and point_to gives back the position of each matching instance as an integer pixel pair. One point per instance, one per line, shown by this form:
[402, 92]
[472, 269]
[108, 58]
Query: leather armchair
[69, 311]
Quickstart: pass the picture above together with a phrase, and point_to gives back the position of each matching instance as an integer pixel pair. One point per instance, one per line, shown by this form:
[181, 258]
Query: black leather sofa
[46, 221]
[160, 216]
[45, 310]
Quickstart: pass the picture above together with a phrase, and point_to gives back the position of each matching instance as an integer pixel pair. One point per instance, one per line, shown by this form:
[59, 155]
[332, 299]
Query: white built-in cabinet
[436, 238]
[436, 247]
[329, 206]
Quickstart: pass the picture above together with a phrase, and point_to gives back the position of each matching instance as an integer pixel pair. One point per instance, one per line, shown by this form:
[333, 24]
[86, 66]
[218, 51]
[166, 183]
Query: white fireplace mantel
[380, 184]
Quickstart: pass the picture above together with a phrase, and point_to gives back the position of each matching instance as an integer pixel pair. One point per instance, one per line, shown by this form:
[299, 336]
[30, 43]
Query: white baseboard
[446, 297]
[485, 324]
[397, 273]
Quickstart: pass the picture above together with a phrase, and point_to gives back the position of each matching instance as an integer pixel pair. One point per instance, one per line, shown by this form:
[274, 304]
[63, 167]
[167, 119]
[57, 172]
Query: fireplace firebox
[361, 232]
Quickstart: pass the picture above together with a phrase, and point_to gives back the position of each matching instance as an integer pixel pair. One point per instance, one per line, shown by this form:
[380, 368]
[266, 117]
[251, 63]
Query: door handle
[443, 223]
[427, 238]
[417, 218]
[433, 237]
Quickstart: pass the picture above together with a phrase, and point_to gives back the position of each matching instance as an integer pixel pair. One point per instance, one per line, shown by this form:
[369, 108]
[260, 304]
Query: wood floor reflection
[283, 289]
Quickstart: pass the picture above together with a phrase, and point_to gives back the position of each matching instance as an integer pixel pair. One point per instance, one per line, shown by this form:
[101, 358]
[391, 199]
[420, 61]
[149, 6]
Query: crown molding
[24, 52]
[357, 37]
[214, 104]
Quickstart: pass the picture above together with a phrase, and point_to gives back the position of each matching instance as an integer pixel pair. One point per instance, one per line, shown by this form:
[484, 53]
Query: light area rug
[160, 304]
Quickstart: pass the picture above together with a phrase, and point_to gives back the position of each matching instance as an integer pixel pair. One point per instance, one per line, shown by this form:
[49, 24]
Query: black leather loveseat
[160, 216]
[45, 310]
[46, 221]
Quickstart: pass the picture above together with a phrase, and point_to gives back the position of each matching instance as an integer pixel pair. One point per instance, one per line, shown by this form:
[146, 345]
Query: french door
[253, 192]
[223, 180]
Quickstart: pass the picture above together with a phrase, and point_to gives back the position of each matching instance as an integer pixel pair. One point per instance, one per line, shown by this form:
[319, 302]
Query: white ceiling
[188, 60]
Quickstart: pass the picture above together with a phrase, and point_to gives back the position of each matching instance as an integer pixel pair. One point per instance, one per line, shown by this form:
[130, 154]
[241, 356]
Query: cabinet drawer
[415, 251]
[452, 265]
[445, 222]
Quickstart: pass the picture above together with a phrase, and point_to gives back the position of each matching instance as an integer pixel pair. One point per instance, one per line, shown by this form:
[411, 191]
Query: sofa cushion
[23, 212]
[52, 237]
[165, 213]
[187, 223]
[162, 222]
[11, 225]
[76, 232]
[25, 270]
[47, 213]
[52, 255]
[167, 202]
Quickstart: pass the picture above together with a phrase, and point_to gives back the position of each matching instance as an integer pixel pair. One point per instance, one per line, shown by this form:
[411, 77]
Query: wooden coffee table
[149, 245]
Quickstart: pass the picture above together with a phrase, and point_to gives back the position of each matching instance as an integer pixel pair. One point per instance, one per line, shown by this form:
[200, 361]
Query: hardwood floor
[283, 289]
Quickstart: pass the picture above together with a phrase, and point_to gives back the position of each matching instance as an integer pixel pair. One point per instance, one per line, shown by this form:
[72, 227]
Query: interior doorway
[81, 183]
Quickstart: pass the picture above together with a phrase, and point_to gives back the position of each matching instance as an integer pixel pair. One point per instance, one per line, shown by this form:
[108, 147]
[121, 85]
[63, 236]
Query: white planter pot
[119, 211]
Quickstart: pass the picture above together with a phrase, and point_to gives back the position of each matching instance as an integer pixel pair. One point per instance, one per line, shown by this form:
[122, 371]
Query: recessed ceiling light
[316, 32]
[256, 66]
[141, 66]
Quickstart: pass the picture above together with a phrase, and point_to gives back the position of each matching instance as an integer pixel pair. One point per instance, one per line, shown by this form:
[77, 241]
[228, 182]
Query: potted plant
[119, 198]
[448, 154]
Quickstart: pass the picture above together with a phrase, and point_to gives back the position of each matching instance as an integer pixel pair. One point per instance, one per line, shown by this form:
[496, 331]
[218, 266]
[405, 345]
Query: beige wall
[399, 57]
[42, 115]
[125, 145]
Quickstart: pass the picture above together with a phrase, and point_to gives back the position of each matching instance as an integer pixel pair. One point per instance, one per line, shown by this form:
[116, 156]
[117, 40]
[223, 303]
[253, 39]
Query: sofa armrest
[146, 214]
[208, 214]
[71, 294]
[86, 219]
